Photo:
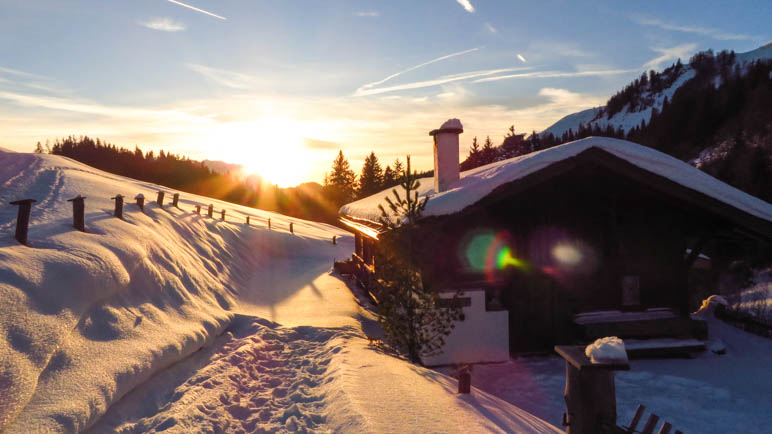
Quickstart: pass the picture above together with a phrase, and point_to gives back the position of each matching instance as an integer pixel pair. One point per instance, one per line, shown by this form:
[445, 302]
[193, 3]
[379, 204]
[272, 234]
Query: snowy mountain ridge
[631, 116]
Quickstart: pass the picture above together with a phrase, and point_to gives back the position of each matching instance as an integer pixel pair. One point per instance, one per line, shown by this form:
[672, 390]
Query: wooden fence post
[210, 210]
[140, 201]
[175, 200]
[198, 209]
[22, 219]
[464, 381]
[247, 220]
[269, 224]
[334, 240]
[118, 206]
[590, 396]
[160, 199]
[78, 212]
[292, 229]
[222, 216]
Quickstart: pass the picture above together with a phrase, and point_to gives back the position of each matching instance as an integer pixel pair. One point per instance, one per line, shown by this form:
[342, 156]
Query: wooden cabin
[584, 240]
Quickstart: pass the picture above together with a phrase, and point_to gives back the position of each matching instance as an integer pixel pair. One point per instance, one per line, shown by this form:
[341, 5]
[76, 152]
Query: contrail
[197, 9]
[412, 68]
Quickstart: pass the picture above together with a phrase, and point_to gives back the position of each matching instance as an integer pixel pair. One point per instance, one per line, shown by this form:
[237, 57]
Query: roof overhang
[365, 227]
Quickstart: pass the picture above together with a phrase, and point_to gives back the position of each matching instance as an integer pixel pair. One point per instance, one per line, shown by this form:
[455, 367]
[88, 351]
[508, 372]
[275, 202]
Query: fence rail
[79, 213]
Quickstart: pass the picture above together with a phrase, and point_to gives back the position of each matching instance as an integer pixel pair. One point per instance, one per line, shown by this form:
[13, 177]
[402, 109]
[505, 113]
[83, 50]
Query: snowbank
[89, 316]
[477, 183]
[607, 350]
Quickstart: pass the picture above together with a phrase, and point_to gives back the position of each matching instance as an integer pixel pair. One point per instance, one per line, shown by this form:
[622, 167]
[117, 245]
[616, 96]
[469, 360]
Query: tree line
[308, 201]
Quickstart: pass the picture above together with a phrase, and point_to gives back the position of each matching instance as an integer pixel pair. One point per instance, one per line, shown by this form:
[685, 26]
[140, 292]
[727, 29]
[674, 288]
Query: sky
[281, 86]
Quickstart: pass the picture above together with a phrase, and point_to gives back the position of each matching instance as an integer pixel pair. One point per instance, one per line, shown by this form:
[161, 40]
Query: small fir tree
[409, 313]
[371, 179]
[341, 182]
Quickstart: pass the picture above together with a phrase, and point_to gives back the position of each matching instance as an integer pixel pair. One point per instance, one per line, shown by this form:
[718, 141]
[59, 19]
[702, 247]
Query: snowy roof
[477, 183]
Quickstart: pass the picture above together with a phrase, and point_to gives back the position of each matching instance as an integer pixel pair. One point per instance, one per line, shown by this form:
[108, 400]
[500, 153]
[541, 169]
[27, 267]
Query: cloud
[368, 14]
[706, 31]
[163, 24]
[682, 51]
[466, 5]
[177, 2]
[413, 68]
[520, 56]
[433, 82]
[234, 80]
[557, 74]
[490, 28]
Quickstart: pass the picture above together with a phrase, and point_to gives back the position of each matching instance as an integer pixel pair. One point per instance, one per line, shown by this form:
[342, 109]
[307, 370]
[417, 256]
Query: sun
[270, 147]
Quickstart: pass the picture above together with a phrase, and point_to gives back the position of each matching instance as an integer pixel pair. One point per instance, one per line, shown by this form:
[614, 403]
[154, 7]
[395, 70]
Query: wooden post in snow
[464, 381]
[210, 210]
[22, 219]
[140, 201]
[160, 199]
[292, 228]
[222, 216]
[198, 209]
[176, 200]
[334, 240]
[118, 206]
[247, 220]
[78, 212]
[269, 224]
[591, 405]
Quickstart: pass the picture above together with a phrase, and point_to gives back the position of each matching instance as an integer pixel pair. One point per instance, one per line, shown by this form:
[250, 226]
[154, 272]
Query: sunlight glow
[270, 147]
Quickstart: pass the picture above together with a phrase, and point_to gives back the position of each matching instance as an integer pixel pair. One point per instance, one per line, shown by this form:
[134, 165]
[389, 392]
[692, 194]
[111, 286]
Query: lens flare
[567, 254]
[505, 259]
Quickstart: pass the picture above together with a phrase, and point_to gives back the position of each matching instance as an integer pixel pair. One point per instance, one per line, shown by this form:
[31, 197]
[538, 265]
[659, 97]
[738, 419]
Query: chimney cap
[450, 126]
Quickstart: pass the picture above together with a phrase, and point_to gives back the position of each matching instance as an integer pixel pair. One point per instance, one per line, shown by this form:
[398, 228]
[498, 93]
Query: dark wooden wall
[620, 226]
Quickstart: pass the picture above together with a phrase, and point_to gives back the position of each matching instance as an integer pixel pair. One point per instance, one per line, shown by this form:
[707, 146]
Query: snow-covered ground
[171, 321]
[709, 394]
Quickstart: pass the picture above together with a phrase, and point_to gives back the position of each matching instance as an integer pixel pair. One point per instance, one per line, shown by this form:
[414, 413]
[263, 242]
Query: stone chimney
[446, 171]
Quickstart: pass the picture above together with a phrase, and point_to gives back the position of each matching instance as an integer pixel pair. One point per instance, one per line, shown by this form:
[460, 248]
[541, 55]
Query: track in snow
[257, 376]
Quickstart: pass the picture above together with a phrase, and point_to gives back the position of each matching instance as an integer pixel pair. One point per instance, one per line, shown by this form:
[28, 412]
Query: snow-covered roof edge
[475, 184]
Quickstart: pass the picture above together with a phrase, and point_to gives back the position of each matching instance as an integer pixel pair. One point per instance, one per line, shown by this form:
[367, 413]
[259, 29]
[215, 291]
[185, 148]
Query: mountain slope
[649, 99]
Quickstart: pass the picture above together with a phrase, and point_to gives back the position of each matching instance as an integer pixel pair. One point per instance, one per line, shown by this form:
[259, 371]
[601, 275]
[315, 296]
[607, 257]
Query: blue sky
[282, 85]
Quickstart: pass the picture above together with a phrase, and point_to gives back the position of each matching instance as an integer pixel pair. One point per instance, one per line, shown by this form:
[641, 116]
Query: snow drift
[89, 316]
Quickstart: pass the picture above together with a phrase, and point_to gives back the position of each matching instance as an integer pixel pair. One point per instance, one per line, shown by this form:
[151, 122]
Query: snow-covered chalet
[591, 238]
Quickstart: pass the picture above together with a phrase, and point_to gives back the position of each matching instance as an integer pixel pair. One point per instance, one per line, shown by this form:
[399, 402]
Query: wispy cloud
[490, 28]
[177, 2]
[163, 24]
[234, 80]
[706, 31]
[16, 72]
[556, 74]
[368, 14]
[520, 56]
[434, 82]
[466, 5]
[413, 68]
[668, 54]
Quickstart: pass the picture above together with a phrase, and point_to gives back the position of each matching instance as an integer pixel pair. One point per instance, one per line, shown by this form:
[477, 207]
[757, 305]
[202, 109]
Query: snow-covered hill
[629, 117]
[170, 320]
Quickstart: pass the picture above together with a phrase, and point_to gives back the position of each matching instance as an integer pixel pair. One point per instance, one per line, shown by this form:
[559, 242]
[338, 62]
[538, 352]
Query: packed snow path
[257, 375]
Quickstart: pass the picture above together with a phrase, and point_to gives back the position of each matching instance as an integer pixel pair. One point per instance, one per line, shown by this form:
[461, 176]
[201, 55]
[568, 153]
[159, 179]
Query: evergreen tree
[409, 313]
[371, 179]
[341, 182]
[474, 157]
[39, 148]
[399, 170]
[488, 152]
[389, 177]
